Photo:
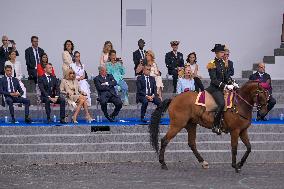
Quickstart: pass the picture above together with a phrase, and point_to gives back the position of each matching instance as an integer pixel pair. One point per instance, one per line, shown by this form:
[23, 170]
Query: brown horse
[184, 113]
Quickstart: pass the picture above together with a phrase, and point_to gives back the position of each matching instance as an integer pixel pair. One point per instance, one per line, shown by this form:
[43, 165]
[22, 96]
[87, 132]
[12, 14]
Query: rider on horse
[220, 81]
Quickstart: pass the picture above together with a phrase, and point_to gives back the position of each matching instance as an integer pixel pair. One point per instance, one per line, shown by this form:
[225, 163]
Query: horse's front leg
[234, 147]
[245, 139]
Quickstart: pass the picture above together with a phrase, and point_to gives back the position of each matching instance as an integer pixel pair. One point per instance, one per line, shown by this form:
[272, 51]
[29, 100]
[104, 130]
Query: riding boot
[217, 122]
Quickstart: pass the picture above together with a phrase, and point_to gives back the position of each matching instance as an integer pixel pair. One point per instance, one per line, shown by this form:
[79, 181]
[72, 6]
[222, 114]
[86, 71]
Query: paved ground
[142, 175]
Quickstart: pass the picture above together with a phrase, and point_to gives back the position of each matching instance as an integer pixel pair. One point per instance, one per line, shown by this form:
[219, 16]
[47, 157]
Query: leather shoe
[110, 118]
[48, 120]
[28, 120]
[216, 130]
[13, 120]
[143, 120]
[62, 121]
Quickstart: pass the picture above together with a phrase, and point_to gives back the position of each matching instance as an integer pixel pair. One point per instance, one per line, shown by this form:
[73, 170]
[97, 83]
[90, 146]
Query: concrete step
[35, 130]
[218, 156]
[131, 146]
[279, 52]
[269, 59]
[122, 137]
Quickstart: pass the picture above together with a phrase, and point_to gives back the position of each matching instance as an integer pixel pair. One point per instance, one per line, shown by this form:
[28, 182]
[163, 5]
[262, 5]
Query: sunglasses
[4, 40]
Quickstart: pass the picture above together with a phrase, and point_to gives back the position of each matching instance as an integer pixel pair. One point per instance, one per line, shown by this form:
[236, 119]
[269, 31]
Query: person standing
[32, 56]
[4, 52]
[105, 54]
[174, 62]
[138, 57]
[67, 56]
[229, 62]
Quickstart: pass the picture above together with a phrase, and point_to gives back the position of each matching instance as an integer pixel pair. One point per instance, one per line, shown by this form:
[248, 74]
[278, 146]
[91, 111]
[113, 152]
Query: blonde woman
[75, 97]
[155, 72]
[16, 70]
[105, 55]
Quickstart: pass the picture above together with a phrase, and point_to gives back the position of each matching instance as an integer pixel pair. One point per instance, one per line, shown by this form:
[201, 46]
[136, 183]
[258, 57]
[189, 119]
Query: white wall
[251, 28]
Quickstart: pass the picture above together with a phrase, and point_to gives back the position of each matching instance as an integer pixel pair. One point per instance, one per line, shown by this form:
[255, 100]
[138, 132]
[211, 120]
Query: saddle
[206, 100]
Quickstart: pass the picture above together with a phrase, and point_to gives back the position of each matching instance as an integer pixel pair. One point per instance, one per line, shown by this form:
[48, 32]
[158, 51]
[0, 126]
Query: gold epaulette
[211, 65]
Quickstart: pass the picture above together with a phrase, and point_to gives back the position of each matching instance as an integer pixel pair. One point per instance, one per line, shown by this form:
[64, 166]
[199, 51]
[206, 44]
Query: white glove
[229, 87]
[236, 85]
[106, 83]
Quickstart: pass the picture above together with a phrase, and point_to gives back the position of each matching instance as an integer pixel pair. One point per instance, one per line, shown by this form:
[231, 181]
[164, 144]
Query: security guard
[220, 80]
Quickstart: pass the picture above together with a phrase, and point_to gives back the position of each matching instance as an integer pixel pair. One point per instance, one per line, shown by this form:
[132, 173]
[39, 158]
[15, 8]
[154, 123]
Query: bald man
[4, 52]
[263, 77]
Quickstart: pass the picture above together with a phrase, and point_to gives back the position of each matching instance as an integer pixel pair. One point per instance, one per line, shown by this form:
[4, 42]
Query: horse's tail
[154, 126]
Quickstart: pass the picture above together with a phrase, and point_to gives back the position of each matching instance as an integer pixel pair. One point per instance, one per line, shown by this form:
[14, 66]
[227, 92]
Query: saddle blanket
[206, 100]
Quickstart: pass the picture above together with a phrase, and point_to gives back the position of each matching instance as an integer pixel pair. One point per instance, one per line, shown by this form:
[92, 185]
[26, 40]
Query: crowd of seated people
[110, 84]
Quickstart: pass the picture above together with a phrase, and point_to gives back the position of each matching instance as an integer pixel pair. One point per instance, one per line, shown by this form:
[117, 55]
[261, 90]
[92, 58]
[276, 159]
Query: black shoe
[261, 118]
[112, 117]
[28, 120]
[13, 120]
[109, 119]
[143, 120]
[62, 121]
[48, 120]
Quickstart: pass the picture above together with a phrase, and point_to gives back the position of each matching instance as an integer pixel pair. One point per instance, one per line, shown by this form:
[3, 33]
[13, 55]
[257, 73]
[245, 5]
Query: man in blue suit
[105, 86]
[11, 90]
[146, 91]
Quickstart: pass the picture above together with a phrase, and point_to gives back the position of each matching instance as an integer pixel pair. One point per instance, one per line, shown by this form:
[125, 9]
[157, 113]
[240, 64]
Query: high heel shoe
[89, 119]
[73, 120]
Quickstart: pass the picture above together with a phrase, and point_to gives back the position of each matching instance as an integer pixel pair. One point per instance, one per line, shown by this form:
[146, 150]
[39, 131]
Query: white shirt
[142, 53]
[47, 77]
[34, 50]
[9, 87]
[79, 70]
[147, 80]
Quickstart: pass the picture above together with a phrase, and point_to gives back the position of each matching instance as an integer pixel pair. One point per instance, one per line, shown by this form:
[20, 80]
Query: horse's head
[256, 95]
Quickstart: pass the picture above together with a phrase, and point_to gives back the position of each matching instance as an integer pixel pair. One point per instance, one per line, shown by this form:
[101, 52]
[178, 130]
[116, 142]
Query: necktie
[11, 85]
[6, 49]
[148, 86]
[142, 53]
[37, 57]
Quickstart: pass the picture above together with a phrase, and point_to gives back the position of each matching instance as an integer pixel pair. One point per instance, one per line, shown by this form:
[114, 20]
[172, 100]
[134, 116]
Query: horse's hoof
[238, 169]
[205, 165]
[164, 167]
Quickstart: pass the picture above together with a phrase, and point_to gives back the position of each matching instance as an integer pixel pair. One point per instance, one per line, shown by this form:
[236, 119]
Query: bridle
[257, 104]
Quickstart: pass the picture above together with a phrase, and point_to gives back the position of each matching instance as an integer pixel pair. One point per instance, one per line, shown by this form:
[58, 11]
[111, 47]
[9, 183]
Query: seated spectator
[75, 97]
[105, 54]
[80, 74]
[192, 64]
[265, 80]
[187, 83]
[229, 62]
[16, 70]
[67, 55]
[146, 91]
[41, 66]
[32, 55]
[138, 57]
[4, 52]
[155, 72]
[50, 93]
[105, 86]
[115, 67]
[12, 91]
[174, 62]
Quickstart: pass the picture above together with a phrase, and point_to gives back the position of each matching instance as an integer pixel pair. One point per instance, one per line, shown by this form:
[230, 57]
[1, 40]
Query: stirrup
[216, 130]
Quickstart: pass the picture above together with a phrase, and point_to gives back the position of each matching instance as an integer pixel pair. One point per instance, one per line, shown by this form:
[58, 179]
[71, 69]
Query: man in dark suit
[146, 91]
[33, 55]
[4, 52]
[50, 93]
[139, 56]
[174, 61]
[11, 90]
[265, 78]
[230, 63]
[105, 86]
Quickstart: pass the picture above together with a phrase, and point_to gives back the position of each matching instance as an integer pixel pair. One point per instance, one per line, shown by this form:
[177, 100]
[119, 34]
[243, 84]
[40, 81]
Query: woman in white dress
[155, 72]
[67, 56]
[105, 55]
[79, 70]
[16, 70]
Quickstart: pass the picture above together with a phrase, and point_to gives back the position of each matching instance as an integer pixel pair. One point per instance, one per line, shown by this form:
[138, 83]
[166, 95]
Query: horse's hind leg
[245, 139]
[191, 130]
[172, 132]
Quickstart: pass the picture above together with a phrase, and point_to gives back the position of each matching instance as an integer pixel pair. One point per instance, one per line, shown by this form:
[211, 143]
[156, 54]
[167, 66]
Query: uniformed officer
[220, 80]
